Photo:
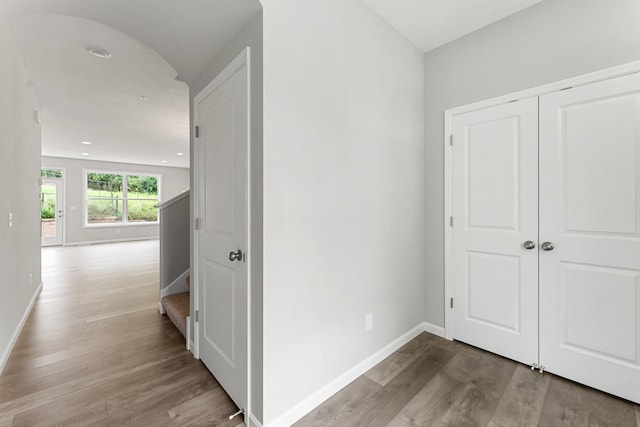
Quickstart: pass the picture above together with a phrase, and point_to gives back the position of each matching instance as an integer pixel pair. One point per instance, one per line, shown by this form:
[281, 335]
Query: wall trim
[253, 421]
[433, 329]
[188, 339]
[175, 199]
[177, 286]
[575, 81]
[581, 80]
[308, 404]
[99, 242]
[16, 334]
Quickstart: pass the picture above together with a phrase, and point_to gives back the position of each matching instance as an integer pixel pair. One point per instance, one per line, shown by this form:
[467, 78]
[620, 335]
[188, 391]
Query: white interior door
[52, 213]
[590, 212]
[222, 117]
[495, 211]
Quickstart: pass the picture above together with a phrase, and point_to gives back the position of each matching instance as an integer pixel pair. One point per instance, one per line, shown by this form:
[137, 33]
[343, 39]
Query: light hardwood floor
[435, 382]
[96, 352]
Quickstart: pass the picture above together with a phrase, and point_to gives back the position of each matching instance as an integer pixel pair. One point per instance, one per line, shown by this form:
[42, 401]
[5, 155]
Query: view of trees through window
[121, 198]
[51, 173]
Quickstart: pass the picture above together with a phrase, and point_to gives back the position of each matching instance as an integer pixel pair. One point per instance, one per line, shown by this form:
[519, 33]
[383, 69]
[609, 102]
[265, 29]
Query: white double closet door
[546, 237]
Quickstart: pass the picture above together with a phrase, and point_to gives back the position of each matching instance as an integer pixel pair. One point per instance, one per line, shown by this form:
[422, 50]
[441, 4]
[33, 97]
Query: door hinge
[197, 131]
[198, 224]
[451, 140]
[450, 302]
[450, 221]
[196, 316]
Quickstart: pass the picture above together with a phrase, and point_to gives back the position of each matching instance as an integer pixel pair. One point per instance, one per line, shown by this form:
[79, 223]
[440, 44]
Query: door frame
[241, 61]
[63, 186]
[608, 73]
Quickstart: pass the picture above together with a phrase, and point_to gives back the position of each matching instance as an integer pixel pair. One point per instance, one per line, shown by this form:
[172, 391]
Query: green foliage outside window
[51, 173]
[143, 186]
[47, 201]
[107, 200]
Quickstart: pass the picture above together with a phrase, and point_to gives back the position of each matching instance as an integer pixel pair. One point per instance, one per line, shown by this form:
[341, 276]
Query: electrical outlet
[368, 322]
[10, 219]
[30, 279]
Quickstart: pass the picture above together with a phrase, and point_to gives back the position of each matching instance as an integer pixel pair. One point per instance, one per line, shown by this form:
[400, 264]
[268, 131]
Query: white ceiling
[85, 98]
[131, 107]
[432, 23]
[156, 45]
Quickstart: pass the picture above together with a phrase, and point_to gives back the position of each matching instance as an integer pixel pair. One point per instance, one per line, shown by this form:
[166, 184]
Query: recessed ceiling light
[99, 52]
[85, 154]
[87, 142]
[143, 98]
[164, 161]
[180, 154]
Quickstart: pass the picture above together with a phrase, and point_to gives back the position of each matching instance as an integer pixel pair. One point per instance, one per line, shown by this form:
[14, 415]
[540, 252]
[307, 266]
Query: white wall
[250, 35]
[173, 182]
[550, 41]
[343, 193]
[19, 174]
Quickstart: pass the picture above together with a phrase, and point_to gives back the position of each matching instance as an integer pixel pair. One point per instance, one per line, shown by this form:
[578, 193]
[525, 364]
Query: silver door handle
[529, 245]
[547, 246]
[235, 256]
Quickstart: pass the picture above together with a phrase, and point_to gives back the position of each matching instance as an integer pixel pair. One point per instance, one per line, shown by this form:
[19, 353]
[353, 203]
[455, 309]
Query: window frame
[125, 219]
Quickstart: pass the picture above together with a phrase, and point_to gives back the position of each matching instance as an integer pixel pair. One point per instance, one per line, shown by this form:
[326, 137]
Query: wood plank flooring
[96, 352]
[435, 382]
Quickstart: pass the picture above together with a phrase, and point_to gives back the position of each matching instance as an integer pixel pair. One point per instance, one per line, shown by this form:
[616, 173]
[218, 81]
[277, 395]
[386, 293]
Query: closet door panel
[590, 212]
[495, 210]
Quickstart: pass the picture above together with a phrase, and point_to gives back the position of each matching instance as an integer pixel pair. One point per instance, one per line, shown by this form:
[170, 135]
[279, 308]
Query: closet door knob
[529, 245]
[547, 246]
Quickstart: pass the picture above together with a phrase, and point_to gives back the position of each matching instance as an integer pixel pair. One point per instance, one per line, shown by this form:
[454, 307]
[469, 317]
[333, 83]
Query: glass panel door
[51, 212]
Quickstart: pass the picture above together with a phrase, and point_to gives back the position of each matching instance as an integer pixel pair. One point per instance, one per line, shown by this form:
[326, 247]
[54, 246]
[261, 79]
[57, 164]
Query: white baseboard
[18, 330]
[177, 286]
[99, 242]
[307, 405]
[188, 333]
[253, 421]
[433, 329]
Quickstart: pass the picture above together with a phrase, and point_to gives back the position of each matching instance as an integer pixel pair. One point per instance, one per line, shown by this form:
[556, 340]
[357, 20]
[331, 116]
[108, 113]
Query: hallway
[96, 352]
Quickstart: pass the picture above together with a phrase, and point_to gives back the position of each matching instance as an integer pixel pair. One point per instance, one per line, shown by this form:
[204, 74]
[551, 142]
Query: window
[120, 198]
[142, 197]
[51, 173]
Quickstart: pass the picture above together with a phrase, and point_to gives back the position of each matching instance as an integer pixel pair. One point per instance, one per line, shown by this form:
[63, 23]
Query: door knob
[235, 256]
[529, 245]
[547, 246]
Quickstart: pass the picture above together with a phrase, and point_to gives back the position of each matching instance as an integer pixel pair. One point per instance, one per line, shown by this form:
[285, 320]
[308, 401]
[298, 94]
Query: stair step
[177, 308]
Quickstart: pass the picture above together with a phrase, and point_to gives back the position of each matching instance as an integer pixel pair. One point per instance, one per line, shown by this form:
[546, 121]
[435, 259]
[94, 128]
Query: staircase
[174, 217]
[176, 307]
